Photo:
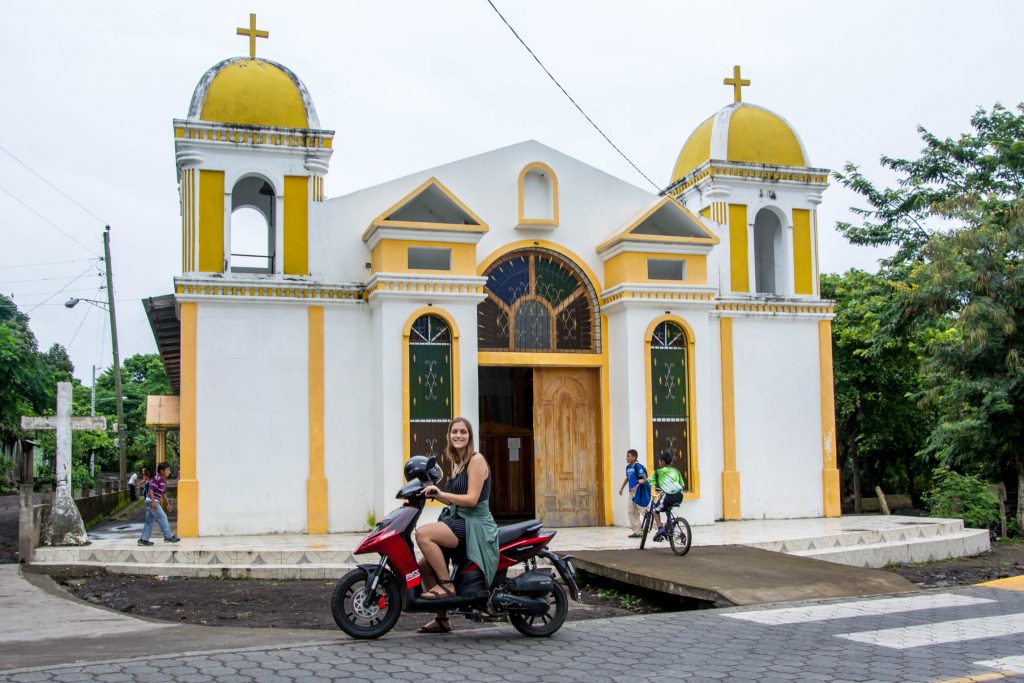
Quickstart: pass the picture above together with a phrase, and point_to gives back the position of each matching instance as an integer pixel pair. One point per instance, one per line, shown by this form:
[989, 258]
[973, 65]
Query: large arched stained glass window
[537, 301]
[430, 386]
[670, 401]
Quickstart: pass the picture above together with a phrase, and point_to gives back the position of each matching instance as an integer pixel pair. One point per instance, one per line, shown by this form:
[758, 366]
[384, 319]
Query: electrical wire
[49, 222]
[61, 192]
[564, 92]
[71, 282]
[52, 263]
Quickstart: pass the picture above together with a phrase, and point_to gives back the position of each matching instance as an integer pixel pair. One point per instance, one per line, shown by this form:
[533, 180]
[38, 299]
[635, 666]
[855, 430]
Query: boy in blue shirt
[670, 481]
[640, 493]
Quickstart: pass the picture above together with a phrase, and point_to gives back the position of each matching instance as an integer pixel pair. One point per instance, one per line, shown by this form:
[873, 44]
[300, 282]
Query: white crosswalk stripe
[1014, 664]
[942, 632]
[860, 608]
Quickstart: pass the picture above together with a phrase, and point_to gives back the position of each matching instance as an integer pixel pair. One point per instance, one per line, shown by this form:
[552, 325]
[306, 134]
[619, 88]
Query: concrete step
[903, 532]
[162, 553]
[325, 571]
[962, 543]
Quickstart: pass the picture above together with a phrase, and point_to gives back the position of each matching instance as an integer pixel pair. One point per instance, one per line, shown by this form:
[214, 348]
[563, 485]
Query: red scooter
[368, 600]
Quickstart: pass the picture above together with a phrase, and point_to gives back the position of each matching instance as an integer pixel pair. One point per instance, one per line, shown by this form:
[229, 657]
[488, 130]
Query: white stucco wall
[252, 434]
[778, 417]
[349, 437]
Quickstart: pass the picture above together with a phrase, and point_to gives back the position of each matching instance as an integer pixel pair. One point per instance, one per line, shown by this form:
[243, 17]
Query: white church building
[316, 343]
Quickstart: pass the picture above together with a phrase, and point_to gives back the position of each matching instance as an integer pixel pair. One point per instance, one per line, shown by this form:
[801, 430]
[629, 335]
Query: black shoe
[172, 539]
[143, 541]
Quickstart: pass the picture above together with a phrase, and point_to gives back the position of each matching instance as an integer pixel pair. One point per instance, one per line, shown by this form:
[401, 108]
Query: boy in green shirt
[670, 481]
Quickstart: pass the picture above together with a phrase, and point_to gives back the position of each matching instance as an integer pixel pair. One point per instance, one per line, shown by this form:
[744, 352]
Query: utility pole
[117, 362]
[92, 413]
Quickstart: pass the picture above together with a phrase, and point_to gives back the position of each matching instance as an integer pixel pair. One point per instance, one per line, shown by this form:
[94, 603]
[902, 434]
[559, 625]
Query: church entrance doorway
[539, 428]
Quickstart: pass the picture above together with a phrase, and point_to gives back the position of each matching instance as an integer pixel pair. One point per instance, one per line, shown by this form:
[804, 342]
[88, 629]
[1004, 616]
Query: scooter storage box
[535, 582]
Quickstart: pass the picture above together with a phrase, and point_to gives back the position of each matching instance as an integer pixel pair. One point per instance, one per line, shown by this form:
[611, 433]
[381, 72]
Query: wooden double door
[548, 465]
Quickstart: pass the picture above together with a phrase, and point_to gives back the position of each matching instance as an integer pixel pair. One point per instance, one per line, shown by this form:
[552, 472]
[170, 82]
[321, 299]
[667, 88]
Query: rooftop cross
[253, 35]
[736, 82]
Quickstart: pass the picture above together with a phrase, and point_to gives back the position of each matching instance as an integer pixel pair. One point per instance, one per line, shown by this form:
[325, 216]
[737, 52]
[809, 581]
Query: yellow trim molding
[693, 471]
[209, 131]
[392, 256]
[544, 168]
[730, 475]
[627, 234]
[188, 485]
[631, 266]
[739, 259]
[211, 221]
[316, 484]
[559, 359]
[382, 220]
[606, 430]
[829, 472]
[456, 370]
[803, 268]
[296, 225]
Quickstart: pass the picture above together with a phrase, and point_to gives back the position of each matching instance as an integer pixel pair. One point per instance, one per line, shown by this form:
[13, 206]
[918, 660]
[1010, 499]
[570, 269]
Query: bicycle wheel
[679, 536]
[645, 528]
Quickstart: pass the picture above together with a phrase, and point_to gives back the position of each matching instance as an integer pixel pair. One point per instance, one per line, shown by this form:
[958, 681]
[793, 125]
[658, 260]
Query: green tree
[23, 389]
[879, 425]
[956, 218]
[142, 375]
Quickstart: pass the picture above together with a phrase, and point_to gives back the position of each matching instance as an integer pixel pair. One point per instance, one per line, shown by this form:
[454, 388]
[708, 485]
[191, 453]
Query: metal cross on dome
[253, 35]
[737, 84]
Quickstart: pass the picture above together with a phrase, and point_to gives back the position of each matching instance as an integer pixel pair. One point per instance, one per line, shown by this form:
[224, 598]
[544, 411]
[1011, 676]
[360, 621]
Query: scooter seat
[512, 532]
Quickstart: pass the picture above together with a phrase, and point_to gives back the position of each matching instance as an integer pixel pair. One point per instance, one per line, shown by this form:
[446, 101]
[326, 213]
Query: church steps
[219, 571]
[961, 543]
[903, 532]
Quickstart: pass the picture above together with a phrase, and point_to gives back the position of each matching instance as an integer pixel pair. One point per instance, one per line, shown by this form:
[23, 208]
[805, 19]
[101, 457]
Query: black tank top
[459, 484]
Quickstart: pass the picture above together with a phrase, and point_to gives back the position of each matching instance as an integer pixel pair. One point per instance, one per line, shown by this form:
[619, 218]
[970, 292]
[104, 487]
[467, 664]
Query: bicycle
[677, 529]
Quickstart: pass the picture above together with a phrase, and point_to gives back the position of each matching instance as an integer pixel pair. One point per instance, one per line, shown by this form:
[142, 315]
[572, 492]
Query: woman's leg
[431, 538]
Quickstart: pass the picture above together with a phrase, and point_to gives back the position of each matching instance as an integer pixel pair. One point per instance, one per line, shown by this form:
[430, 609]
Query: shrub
[963, 496]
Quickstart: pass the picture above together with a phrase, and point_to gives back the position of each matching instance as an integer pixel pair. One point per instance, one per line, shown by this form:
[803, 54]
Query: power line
[71, 282]
[50, 263]
[555, 81]
[48, 221]
[61, 192]
[38, 279]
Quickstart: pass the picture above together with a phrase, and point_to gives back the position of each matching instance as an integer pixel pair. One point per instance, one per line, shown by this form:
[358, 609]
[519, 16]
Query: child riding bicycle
[670, 481]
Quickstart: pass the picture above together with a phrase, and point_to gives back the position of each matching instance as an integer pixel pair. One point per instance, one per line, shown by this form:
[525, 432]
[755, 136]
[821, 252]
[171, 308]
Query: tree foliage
[956, 218]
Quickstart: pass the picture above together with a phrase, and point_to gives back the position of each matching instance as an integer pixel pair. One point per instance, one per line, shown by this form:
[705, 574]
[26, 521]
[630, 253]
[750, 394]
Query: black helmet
[423, 468]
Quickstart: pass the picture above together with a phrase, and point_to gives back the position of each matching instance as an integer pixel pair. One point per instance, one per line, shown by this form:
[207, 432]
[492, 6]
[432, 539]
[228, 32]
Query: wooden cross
[63, 423]
[253, 35]
[737, 84]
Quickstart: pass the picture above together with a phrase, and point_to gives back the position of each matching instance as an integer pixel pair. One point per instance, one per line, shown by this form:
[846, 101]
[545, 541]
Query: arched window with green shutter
[430, 386]
[670, 400]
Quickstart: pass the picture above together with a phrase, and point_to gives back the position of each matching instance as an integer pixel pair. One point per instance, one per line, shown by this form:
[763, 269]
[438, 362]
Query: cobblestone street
[925, 637]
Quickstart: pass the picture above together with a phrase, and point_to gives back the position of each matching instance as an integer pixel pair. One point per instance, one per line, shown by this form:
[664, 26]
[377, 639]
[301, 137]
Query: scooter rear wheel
[544, 625]
[361, 618]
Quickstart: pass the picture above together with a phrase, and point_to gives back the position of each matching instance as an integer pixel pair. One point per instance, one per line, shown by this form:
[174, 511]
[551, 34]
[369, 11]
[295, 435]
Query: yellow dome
[253, 92]
[742, 132]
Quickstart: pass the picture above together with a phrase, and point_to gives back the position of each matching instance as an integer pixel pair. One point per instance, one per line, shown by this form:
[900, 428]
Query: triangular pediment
[431, 206]
[666, 221]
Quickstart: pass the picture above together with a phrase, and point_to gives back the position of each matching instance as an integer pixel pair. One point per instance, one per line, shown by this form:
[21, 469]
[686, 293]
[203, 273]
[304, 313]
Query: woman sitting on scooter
[465, 526]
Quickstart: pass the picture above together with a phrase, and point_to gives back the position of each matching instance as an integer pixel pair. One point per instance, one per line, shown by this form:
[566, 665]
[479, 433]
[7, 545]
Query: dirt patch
[1006, 559]
[262, 603]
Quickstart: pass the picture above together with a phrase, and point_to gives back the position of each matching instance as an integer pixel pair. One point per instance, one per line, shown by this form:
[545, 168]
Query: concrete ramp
[728, 575]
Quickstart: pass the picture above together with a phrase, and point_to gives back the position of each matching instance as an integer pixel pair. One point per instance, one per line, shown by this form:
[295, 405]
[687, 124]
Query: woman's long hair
[450, 453]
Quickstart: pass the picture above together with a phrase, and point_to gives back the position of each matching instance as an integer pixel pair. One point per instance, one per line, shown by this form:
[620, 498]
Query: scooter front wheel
[362, 618]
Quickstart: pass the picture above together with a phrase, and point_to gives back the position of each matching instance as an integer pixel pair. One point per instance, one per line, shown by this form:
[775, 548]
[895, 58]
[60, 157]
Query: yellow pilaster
[211, 221]
[316, 484]
[803, 268]
[188, 485]
[730, 476]
[829, 472]
[296, 225]
[739, 261]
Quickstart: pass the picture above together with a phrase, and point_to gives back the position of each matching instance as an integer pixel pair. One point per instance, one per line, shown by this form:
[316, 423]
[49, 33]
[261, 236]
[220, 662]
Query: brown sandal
[439, 591]
[438, 625]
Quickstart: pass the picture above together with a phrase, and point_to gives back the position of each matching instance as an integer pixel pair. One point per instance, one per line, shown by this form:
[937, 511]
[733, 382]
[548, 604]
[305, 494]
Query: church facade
[568, 314]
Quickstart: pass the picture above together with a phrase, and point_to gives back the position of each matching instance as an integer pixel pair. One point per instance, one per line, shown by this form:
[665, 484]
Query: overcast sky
[91, 89]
